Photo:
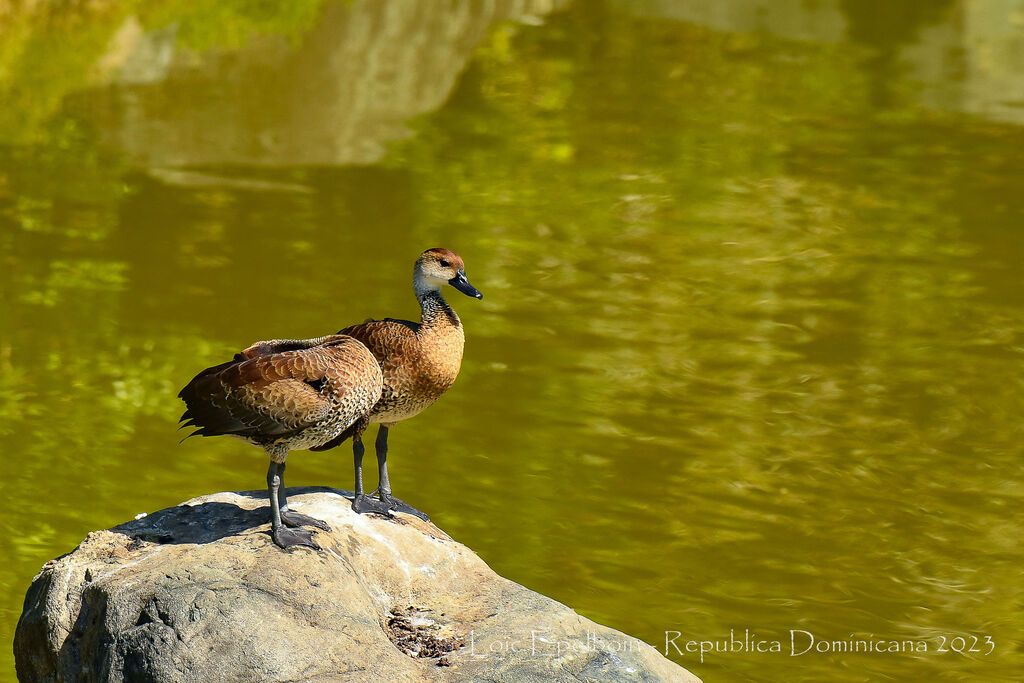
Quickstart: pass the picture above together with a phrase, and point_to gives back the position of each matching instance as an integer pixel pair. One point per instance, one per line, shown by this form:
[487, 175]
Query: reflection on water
[337, 97]
[749, 356]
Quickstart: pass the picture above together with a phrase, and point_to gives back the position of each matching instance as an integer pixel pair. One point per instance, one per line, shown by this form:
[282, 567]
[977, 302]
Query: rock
[199, 592]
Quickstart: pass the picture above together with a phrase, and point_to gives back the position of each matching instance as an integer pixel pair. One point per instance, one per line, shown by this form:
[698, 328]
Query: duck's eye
[444, 263]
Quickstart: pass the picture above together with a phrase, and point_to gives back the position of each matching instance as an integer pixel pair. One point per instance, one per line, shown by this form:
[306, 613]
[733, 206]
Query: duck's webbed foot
[363, 503]
[384, 503]
[380, 501]
[394, 504]
[287, 538]
[280, 516]
[295, 519]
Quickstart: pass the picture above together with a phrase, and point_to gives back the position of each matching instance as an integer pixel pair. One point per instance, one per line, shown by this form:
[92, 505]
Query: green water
[750, 350]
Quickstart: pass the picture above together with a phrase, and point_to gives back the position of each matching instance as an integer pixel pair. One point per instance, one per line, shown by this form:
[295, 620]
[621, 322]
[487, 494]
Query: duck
[419, 363]
[293, 394]
[283, 395]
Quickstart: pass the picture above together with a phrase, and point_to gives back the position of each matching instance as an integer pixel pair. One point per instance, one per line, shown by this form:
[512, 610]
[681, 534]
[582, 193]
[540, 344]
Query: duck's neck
[435, 311]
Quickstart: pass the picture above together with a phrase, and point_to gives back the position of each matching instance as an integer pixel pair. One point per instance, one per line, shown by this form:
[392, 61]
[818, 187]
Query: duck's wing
[268, 393]
[262, 348]
[272, 346]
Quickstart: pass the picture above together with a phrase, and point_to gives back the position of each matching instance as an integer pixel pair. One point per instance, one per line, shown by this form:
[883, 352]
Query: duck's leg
[290, 518]
[284, 537]
[384, 488]
[360, 501]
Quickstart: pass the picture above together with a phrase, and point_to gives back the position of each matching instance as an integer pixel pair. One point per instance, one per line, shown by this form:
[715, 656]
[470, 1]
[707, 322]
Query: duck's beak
[460, 283]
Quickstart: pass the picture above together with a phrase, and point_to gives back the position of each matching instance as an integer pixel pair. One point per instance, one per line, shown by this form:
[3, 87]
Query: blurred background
[750, 350]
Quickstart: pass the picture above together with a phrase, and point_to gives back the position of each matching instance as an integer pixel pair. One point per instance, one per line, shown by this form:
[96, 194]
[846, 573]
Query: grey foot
[398, 505]
[287, 538]
[294, 519]
[363, 503]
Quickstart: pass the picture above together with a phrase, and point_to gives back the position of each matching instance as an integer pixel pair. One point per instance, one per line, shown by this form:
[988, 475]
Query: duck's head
[435, 267]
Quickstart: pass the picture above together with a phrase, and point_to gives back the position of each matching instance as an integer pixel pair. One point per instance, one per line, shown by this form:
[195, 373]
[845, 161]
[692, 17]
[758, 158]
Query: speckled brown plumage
[294, 393]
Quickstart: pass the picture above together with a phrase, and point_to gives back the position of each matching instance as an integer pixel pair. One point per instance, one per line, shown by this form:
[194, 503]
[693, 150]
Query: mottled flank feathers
[303, 392]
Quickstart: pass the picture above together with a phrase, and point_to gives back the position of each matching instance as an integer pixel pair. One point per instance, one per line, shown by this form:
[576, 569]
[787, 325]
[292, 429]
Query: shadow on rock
[209, 521]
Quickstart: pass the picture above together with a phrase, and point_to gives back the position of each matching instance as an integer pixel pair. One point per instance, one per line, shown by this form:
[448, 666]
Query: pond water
[749, 357]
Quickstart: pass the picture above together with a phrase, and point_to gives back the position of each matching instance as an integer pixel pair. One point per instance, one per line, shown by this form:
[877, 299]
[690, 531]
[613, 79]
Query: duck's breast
[419, 364]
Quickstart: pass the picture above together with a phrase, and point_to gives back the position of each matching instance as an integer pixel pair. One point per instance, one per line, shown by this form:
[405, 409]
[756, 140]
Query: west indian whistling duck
[286, 394]
[419, 361]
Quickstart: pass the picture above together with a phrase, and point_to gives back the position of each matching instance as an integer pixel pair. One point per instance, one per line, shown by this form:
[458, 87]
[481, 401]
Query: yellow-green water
[750, 352]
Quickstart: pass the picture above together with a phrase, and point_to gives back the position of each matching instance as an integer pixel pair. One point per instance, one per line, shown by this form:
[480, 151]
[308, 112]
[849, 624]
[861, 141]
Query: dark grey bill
[460, 283]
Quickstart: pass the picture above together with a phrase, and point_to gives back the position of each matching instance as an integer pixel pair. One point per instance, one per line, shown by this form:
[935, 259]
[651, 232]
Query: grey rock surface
[199, 592]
